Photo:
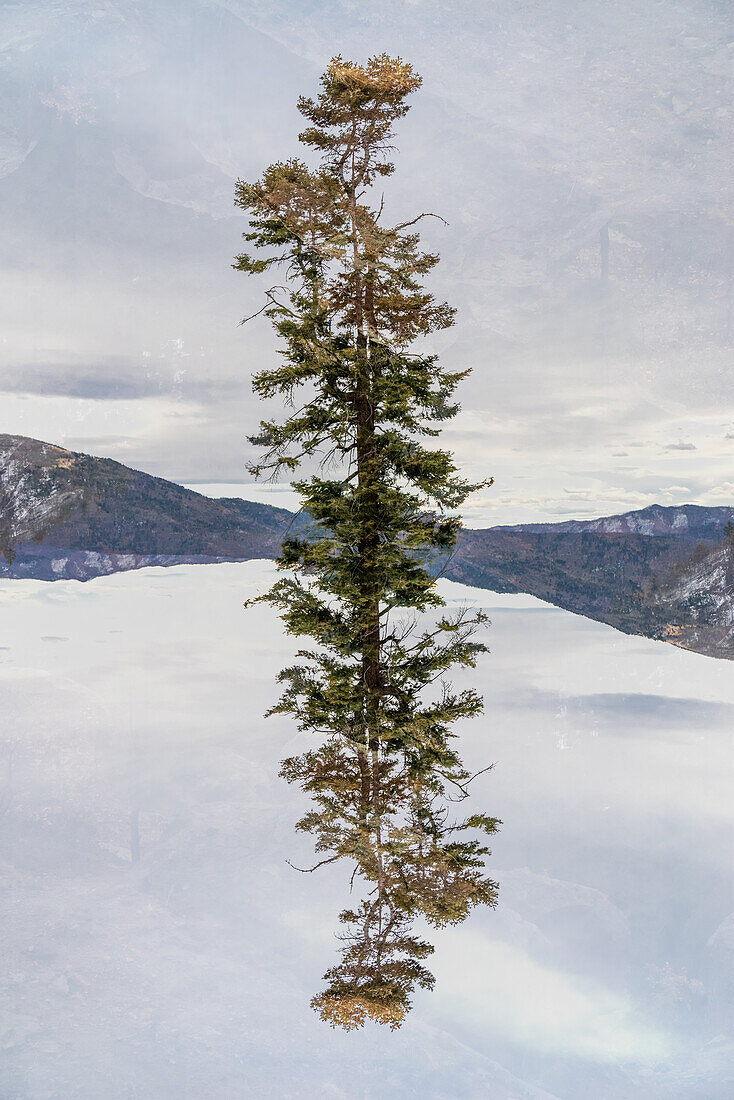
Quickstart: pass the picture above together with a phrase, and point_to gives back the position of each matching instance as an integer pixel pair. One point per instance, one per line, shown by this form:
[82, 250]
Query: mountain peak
[656, 520]
[33, 452]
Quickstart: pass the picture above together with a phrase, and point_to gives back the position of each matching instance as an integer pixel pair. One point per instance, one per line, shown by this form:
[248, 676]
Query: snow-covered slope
[704, 588]
[134, 703]
[32, 499]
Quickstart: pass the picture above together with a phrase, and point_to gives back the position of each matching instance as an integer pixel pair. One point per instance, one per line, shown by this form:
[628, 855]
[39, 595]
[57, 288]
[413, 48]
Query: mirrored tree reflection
[379, 968]
[393, 825]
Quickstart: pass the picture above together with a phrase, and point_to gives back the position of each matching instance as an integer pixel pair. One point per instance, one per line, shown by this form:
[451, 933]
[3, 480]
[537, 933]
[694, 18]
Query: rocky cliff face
[703, 589]
[37, 491]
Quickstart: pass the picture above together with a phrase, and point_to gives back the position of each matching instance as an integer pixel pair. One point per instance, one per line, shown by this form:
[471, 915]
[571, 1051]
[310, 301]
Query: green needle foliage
[363, 405]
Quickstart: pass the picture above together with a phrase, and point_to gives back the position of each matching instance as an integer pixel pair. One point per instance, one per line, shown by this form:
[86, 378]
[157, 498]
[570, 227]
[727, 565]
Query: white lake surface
[607, 970]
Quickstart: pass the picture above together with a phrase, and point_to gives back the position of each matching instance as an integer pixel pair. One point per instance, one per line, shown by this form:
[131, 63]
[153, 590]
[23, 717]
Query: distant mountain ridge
[67, 515]
[663, 571]
[673, 587]
[694, 521]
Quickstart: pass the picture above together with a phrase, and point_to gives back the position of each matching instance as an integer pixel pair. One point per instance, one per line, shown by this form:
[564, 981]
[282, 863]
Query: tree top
[384, 78]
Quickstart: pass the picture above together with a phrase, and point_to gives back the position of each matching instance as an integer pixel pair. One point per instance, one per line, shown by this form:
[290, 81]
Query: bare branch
[310, 870]
[426, 214]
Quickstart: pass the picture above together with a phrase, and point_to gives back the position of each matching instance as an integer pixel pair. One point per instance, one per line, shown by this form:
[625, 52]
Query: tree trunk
[368, 496]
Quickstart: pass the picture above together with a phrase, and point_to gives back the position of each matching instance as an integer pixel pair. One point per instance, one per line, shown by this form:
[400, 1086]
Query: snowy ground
[607, 971]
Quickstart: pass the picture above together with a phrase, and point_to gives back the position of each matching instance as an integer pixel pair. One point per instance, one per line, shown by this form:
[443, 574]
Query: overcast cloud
[540, 130]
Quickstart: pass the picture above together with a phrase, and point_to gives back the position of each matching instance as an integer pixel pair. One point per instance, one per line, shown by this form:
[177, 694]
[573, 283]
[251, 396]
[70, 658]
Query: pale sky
[541, 125]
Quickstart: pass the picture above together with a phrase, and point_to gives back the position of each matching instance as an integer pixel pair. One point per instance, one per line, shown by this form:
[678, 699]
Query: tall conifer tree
[364, 404]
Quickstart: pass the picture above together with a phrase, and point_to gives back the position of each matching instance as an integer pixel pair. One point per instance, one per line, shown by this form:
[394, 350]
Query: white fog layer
[157, 945]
